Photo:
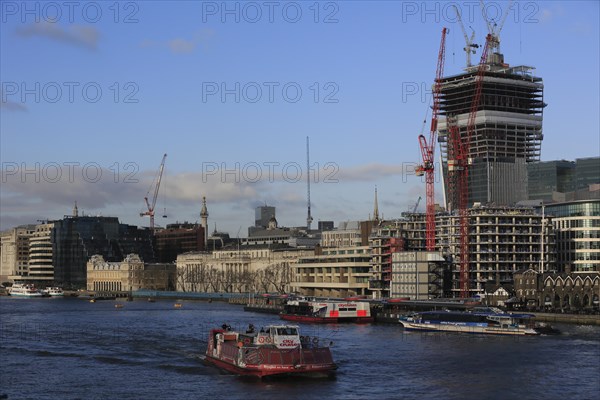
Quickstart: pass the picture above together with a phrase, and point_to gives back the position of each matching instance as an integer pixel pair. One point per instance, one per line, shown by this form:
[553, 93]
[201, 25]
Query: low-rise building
[420, 275]
[336, 272]
[129, 275]
[257, 268]
[558, 292]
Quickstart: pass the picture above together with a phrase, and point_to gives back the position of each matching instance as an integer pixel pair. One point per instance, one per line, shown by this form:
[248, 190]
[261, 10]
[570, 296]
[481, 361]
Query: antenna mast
[309, 218]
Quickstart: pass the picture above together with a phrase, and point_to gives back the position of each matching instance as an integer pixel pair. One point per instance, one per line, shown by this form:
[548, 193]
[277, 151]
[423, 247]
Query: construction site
[487, 122]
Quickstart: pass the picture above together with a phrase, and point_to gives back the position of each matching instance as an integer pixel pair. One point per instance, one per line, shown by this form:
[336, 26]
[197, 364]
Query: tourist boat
[54, 291]
[24, 290]
[485, 320]
[277, 350]
[326, 311]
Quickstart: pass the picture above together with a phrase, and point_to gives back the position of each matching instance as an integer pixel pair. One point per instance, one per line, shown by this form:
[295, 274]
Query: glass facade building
[548, 177]
[577, 225]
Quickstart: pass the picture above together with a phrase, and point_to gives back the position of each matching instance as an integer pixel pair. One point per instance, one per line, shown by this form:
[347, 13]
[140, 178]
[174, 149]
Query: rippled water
[70, 348]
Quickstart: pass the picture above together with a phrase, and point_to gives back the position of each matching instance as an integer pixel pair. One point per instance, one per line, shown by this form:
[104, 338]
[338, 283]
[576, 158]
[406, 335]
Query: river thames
[72, 349]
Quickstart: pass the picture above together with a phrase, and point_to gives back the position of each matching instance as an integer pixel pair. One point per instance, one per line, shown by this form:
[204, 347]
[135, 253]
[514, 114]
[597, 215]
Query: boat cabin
[277, 336]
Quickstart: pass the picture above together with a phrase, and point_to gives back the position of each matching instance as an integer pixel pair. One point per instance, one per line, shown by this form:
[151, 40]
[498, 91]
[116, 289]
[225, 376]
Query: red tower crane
[157, 178]
[459, 160]
[428, 148]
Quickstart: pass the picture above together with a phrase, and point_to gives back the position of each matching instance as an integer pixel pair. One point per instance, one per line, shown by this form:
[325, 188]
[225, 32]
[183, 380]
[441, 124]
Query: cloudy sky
[94, 93]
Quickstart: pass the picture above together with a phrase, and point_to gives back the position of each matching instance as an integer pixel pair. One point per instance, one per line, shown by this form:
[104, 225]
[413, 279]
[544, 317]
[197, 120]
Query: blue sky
[94, 95]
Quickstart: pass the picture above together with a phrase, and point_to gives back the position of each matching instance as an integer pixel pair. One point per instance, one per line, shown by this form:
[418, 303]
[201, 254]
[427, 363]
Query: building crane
[416, 205]
[494, 29]
[470, 46]
[150, 206]
[459, 160]
[428, 148]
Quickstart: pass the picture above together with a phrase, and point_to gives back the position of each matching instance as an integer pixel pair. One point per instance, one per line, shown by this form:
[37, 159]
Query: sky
[94, 93]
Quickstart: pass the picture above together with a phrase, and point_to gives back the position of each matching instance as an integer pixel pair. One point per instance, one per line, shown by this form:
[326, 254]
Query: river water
[72, 349]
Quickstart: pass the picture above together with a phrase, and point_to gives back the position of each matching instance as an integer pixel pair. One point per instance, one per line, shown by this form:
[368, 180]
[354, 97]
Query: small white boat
[54, 291]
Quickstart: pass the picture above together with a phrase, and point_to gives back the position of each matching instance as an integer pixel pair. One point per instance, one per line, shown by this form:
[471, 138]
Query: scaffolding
[507, 133]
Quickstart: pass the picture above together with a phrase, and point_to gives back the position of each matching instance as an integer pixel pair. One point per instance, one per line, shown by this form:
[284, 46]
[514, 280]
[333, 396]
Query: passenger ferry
[24, 290]
[326, 311]
[53, 291]
[484, 320]
[275, 350]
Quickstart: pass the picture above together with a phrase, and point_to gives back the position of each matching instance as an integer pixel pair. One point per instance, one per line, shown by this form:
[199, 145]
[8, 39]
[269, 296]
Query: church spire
[75, 210]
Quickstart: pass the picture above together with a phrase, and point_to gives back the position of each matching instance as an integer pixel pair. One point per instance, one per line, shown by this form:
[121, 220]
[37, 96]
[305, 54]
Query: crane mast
[469, 45]
[309, 218]
[428, 148]
[416, 205]
[150, 206]
[458, 167]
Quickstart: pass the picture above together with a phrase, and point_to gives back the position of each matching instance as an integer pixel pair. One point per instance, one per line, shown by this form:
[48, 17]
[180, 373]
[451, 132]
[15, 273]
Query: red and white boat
[275, 350]
[327, 311]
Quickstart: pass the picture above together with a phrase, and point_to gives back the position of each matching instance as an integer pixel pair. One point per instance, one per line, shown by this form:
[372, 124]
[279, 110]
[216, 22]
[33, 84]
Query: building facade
[129, 275]
[561, 180]
[502, 240]
[350, 233]
[178, 239]
[14, 253]
[562, 292]
[41, 254]
[336, 272]
[245, 269]
[507, 134]
[420, 275]
[548, 180]
[577, 226]
[387, 240]
[76, 238]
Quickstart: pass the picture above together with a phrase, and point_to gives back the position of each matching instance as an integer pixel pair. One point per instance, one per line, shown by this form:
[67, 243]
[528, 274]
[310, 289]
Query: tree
[279, 276]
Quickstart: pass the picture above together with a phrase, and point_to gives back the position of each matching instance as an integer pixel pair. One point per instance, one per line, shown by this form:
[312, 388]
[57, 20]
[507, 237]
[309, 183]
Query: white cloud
[79, 35]
[202, 38]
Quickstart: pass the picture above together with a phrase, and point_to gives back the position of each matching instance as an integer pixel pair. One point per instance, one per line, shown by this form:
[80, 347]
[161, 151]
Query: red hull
[325, 320]
[260, 355]
[261, 371]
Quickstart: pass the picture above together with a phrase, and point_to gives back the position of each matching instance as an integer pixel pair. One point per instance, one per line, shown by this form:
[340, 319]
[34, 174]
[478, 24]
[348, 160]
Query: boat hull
[277, 350]
[466, 328]
[265, 370]
[26, 294]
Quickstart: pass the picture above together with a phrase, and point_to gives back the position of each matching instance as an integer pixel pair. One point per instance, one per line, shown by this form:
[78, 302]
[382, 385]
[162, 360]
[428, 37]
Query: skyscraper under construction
[507, 130]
